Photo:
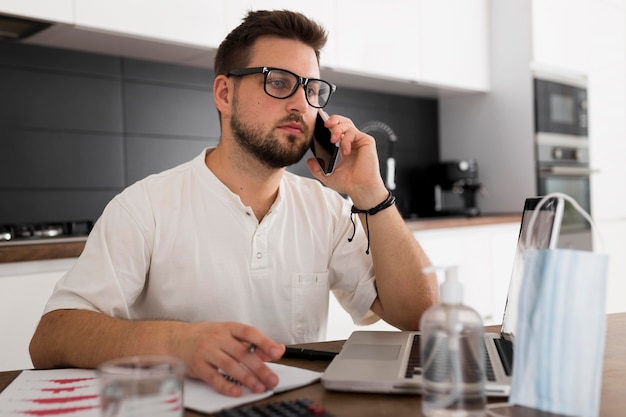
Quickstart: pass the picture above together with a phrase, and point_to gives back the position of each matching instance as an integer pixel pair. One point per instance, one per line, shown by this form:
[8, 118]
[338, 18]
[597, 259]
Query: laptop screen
[544, 235]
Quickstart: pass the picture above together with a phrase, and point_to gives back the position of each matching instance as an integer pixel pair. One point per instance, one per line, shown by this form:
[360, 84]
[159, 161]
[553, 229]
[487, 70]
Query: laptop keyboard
[489, 373]
[414, 364]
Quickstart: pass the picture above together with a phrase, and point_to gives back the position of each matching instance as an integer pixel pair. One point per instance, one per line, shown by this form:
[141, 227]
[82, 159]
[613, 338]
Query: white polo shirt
[180, 245]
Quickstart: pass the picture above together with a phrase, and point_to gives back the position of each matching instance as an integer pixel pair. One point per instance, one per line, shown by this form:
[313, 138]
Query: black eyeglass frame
[301, 81]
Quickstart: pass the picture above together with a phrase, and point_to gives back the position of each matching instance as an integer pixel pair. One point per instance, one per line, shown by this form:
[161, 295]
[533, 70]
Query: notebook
[388, 361]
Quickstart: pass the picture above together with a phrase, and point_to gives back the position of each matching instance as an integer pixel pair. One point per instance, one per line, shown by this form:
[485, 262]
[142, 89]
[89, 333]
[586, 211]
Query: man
[224, 259]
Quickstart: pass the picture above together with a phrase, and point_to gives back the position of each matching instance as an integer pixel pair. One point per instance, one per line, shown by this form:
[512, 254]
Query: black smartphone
[323, 149]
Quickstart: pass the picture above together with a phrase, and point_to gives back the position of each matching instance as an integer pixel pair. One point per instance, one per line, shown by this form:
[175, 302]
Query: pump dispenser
[452, 351]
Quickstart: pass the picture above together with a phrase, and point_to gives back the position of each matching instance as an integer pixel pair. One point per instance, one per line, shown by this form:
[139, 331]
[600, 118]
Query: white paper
[58, 392]
[201, 397]
[75, 392]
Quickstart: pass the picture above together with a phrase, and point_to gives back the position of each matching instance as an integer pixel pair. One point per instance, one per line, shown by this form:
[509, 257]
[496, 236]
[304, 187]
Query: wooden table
[613, 403]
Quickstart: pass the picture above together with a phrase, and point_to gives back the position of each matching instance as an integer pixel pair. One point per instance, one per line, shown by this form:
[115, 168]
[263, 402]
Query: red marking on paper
[57, 411]
[64, 399]
[64, 389]
[70, 380]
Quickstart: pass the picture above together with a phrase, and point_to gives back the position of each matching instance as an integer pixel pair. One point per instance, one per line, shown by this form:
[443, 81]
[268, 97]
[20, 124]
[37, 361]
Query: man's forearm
[404, 291]
[84, 339]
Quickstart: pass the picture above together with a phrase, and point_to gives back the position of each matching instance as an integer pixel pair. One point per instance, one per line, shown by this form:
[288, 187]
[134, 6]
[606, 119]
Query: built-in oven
[562, 150]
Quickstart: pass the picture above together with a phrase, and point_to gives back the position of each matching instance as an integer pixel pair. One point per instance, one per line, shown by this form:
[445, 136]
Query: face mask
[561, 329]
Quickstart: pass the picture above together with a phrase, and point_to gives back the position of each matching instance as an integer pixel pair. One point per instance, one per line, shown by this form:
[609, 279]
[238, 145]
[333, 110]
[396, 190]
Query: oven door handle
[568, 171]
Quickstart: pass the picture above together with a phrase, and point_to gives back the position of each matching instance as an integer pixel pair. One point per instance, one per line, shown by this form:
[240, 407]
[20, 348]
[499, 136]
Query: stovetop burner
[34, 231]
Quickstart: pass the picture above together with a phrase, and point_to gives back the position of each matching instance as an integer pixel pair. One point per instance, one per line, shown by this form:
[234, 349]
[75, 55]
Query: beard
[266, 147]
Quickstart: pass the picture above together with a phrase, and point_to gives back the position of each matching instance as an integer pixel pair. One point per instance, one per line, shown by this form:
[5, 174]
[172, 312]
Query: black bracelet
[387, 202]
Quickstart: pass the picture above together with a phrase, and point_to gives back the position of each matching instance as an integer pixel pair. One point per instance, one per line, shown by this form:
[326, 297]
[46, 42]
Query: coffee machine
[456, 187]
[449, 188]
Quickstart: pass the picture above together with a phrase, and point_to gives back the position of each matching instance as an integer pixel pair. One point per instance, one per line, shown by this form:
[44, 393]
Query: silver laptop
[388, 361]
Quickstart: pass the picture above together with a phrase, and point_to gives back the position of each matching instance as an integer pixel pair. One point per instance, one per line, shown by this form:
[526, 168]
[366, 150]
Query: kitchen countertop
[41, 250]
[416, 225]
[72, 247]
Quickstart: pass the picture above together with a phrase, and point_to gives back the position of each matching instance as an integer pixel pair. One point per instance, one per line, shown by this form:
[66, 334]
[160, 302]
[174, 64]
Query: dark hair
[234, 52]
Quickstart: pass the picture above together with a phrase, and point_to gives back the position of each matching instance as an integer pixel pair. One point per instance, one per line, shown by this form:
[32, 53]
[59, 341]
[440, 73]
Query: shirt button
[259, 255]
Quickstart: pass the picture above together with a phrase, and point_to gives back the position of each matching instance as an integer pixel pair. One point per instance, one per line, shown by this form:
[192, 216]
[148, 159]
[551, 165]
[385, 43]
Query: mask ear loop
[578, 208]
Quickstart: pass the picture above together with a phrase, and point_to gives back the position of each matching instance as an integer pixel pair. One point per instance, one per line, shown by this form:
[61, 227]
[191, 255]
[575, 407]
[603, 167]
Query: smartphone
[323, 149]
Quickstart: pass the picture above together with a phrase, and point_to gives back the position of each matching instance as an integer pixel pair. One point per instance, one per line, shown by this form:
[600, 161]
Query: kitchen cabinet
[61, 11]
[454, 39]
[24, 291]
[607, 106]
[378, 41]
[187, 22]
[560, 33]
[434, 42]
[421, 47]
[613, 233]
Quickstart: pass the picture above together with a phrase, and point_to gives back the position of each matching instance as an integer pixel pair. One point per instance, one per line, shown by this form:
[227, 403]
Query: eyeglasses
[281, 84]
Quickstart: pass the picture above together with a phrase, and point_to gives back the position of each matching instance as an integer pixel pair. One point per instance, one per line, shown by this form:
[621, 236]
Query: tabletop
[341, 404]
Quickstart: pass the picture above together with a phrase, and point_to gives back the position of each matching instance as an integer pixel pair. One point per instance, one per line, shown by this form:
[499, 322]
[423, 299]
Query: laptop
[388, 361]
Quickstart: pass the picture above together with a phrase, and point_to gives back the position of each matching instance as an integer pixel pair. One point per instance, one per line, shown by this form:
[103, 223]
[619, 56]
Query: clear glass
[453, 362]
[142, 386]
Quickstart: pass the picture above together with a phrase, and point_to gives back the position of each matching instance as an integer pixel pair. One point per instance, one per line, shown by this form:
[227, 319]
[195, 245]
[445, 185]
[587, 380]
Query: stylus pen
[313, 355]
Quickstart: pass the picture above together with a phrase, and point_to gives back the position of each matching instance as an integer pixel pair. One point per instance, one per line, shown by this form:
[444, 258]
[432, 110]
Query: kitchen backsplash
[76, 128]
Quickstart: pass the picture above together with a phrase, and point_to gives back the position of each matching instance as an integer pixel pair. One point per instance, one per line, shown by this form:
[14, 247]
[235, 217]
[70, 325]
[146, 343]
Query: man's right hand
[238, 350]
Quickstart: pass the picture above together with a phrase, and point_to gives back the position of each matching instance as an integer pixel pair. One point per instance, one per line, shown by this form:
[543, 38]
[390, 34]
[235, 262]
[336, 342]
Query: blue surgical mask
[561, 330]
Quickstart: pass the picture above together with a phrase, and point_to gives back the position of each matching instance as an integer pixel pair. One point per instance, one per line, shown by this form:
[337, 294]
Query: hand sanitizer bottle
[452, 355]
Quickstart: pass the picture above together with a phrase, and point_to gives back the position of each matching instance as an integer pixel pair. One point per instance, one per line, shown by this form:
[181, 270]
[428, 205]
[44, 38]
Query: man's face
[276, 131]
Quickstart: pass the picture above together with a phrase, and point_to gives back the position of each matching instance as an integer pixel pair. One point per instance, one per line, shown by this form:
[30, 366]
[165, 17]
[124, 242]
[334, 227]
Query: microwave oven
[560, 107]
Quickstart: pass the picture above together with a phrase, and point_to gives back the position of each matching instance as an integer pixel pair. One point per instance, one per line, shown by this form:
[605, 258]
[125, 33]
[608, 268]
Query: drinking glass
[142, 386]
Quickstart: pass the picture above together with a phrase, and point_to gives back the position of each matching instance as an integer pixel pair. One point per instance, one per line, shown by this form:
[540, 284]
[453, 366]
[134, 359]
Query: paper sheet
[201, 397]
[75, 392]
[59, 392]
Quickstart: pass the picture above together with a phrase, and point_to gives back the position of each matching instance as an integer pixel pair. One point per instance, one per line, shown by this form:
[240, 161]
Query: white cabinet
[49, 10]
[399, 46]
[484, 257]
[434, 42]
[613, 234]
[454, 44]
[378, 40]
[24, 290]
[607, 106]
[187, 22]
[560, 32]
